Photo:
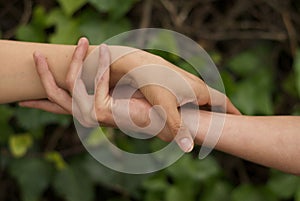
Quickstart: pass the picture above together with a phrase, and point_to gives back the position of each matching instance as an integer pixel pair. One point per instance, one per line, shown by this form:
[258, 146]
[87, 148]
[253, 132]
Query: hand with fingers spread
[89, 109]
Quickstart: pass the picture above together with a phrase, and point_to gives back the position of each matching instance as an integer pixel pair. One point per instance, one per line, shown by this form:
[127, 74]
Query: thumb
[177, 128]
[168, 102]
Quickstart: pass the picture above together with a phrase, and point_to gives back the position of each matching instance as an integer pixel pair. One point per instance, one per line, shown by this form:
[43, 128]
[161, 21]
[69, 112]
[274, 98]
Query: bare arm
[18, 76]
[272, 141]
[19, 79]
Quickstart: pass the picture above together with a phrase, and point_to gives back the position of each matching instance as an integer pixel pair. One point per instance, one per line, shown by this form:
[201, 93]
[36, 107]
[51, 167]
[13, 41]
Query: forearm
[271, 141]
[20, 81]
[18, 77]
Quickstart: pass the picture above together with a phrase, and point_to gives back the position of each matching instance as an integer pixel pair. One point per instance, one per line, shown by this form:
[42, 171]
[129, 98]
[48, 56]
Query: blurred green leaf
[283, 185]
[297, 70]
[33, 176]
[32, 119]
[71, 6]
[5, 129]
[112, 7]
[252, 99]
[217, 191]
[174, 193]
[56, 158]
[156, 184]
[39, 18]
[229, 84]
[66, 28]
[19, 144]
[195, 169]
[96, 137]
[164, 41]
[35, 31]
[246, 192]
[93, 26]
[253, 92]
[73, 184]
[30, 33]
[112, 179]
[297, 196]
[246, 63]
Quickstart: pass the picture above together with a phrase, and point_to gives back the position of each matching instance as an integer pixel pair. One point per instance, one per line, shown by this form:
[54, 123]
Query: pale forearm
[271, 141]
[19, 79]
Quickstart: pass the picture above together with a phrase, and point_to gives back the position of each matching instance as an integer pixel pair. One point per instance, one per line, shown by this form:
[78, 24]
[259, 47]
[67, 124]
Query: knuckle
[175, 127]
[166, 138]
[52, 93]
[101, 114]
[103, 117]
[70, 82]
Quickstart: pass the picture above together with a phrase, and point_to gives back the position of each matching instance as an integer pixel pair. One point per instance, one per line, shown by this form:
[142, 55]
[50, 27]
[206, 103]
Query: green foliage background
[42, 159]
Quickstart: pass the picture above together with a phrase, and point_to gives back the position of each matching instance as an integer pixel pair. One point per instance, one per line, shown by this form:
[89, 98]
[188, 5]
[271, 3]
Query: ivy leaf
[19, 144]
[164, 41]
[252, 99]
[156, 184]
[194, 170]
[71, 6]
[253, 93]
[66, 28]
[33, 119]
[174, 193]
[99, 30]
[5, 130]
[246, 192]
[57, 159]
[112, 179]
[30, 33]
[73, 184]
[34, 32]
[245, 63]
[112, 7]
[33, 176]
[297, 70]
[297, 196]
[283, 185]
[218, 191]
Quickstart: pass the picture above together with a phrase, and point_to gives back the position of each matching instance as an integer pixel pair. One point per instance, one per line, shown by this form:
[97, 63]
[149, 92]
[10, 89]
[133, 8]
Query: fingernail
[36, 54]
[186, 144]
[102, 49]
[80, 42]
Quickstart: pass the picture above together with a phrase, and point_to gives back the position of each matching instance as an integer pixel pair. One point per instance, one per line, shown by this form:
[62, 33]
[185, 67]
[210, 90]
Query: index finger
[76, 63]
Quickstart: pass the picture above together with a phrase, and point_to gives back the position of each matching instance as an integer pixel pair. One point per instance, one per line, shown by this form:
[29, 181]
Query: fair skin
[270, 141]
[19, 80]
[267, 140]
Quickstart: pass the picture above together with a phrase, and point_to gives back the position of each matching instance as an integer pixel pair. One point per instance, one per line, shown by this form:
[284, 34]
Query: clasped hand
[90, 110]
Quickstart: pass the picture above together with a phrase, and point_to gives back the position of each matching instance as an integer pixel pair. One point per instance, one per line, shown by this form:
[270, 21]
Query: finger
[54, 93]
[102, 76]
[76, 63]
[102, 96]
[231, 109]
[44, 105]
[168, 103]
[83, 103]
[219, 99]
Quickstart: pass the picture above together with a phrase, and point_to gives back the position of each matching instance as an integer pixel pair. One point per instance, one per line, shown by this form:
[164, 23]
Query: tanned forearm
[272, 141]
